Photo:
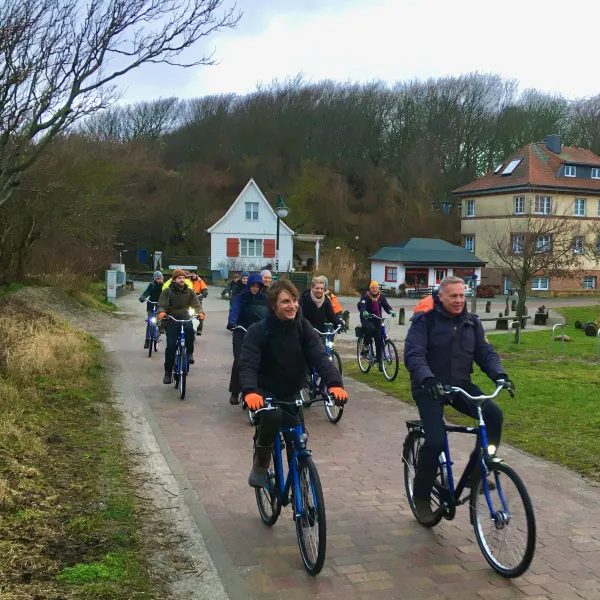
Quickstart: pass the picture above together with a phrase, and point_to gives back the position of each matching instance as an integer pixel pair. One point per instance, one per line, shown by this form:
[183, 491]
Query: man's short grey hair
[449, 281]
[317, 281]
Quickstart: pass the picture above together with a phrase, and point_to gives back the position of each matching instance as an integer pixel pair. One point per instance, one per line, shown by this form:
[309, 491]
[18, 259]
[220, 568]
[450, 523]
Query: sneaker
[191, 359]
[167, 378]
[199, 330]
[146, 344]
[425, 514]
[234, 399]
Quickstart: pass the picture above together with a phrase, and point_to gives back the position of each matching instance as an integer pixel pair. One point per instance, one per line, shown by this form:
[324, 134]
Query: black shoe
[191, 359]
[167, 380]
[380, 366]
[146, 344]
[234, 399]
[198, 330]
[425, 514]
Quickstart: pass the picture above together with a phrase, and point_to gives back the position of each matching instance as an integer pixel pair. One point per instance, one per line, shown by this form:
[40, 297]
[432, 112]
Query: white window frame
[536, 284]
[578, 244]
[255, 243]
[576, 212]
[543, 247]
[470, 208]
[570, 171]
[470, 238]
[545, 203]
[595, 173]
[518, 248]
[591, 280]
[249, 210]
[521, 200]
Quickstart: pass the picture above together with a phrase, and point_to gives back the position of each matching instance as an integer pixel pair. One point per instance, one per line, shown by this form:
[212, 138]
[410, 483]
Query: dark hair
[281, 285]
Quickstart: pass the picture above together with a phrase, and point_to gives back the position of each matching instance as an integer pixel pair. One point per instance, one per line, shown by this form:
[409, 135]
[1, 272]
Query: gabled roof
[430, 252]
[539, 168]
[251, 183]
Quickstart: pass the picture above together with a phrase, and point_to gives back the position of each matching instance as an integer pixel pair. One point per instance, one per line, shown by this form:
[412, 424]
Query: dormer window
[595, 173]
[570, 171]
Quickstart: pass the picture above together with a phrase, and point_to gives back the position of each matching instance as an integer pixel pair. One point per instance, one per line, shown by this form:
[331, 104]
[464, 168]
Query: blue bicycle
[366, 355]
[152, 331]
[301, 488]
[505, 524]
[315, 386]
[181, 367]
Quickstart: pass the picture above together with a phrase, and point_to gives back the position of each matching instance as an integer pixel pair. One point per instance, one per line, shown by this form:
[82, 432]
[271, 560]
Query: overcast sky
[549, 45]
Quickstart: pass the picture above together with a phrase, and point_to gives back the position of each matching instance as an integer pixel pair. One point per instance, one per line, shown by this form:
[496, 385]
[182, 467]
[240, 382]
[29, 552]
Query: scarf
[317, 301]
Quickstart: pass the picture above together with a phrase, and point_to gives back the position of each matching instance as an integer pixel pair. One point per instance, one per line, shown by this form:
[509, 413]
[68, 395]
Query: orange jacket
[198, 286]
[424, 305]
[337, 307]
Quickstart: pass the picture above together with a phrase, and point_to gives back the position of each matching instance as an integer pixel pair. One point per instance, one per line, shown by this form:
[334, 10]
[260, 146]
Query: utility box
[111, 286]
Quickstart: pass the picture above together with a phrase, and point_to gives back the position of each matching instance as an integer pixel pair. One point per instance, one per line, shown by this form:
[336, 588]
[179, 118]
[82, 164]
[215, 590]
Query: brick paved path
[375, 549]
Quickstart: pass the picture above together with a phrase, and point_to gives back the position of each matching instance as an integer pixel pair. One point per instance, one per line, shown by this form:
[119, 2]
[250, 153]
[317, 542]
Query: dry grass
[342, 265]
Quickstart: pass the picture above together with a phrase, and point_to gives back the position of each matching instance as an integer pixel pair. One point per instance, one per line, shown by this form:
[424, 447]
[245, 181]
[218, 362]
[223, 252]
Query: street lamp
[282, 212]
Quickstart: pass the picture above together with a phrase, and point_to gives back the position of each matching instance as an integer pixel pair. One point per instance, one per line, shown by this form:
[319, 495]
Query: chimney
[553, 143]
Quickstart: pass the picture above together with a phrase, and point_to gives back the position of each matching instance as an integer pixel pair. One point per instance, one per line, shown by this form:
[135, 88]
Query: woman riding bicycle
[249, 306]
[316, 307]
[152, 294]
[371, 307]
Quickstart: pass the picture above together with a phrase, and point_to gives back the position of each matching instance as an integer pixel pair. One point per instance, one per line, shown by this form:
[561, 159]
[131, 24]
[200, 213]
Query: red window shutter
[269, 248]
[233, 247]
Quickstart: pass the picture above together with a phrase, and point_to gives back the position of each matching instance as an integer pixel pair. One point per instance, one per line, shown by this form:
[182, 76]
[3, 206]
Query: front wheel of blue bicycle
[390, 360]
[311, 528]
[267, 499]
[507, 534]
[364, 362]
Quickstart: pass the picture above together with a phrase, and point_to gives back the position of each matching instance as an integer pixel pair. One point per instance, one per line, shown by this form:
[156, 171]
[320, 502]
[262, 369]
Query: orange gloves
[162, 315]
[254, 401]
[339, 394]
[202, 316]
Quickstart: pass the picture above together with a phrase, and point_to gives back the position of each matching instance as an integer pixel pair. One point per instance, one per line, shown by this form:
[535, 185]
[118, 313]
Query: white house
[423, 262]
[244, 238]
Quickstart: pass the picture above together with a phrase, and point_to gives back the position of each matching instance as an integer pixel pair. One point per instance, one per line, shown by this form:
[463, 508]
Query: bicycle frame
[181, 343]
[328, 335]
[384, 336]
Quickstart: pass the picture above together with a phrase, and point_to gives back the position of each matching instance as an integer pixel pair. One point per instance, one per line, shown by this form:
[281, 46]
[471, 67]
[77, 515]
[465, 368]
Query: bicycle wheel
[310, 525]
[182, 373]
[364, 364]
[413, 442]
[177, 368]
[156, 336]
[506, 537]
[337, 361]
[150, 338]
[390, 360]
[332, 410]
[267, 499]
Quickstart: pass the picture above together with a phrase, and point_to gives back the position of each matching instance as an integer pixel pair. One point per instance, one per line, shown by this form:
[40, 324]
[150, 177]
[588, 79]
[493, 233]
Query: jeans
[432, 417]
[173, 339]
[237, 341]
[373, 331]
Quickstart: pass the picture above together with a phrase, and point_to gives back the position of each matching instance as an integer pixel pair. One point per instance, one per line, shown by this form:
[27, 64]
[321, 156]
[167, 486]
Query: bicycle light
[153, 320]
[191, 312]
[329, 344]
[303, 439]
[491, 449]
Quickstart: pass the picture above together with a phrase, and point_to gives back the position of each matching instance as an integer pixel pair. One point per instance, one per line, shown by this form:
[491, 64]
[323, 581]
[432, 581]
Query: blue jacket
[443, 347]
[248, 308]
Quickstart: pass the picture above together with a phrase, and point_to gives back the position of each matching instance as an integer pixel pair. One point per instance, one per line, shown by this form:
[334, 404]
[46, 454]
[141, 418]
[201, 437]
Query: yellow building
[541, 181]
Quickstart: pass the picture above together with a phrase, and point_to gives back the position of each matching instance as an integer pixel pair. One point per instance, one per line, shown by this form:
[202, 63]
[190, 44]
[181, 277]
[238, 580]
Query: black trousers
[269, 422]
[432, 417]
[172, 340]
[373, 331]
[237, 341]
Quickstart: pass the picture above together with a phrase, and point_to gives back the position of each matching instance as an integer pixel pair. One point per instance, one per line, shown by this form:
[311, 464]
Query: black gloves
[204, 293]
[508, 385]
[231, 326]
[434, 388]
[142, 299]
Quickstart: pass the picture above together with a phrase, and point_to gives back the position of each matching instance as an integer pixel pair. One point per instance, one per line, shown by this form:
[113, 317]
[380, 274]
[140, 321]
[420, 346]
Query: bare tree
[550, 245]
[59, 63]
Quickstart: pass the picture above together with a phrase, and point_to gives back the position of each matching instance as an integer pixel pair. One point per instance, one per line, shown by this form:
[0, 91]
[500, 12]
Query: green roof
[431, 252]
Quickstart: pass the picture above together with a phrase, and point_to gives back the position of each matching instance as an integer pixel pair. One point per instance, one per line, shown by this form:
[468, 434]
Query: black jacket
[275, 357]
[317, 316]
[152, 293]
[443, 347]
[247, 307]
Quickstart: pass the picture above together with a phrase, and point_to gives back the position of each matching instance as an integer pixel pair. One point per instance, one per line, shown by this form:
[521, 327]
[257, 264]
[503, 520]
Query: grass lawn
[556, 412]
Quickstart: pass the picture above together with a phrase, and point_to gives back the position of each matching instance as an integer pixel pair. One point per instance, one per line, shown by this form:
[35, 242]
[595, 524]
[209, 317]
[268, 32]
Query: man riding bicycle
[176, 301]
[317, 308]
[249, 307]
[152, 294]
[371, 307]
[275, 356]
[441, 345]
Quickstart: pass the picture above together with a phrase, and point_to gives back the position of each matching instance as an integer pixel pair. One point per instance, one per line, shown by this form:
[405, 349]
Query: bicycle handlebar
[329, 332]
[500, 382]
[180, 320]
[150, 302]
[240, 327]
[381, 318]
[272, 403]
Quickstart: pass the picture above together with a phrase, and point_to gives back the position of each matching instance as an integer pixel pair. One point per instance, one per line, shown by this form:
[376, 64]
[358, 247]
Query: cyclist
[201, 289]
[274, 360]
[239, 287]
[176, 301]
[231, 286]
[249, 307]
[373, 302]
[152, 293]
[316, 307]
[267, 277]
[441, 345]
